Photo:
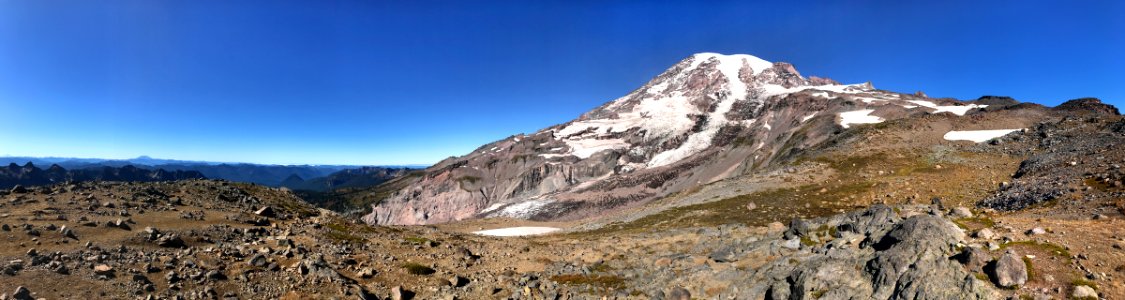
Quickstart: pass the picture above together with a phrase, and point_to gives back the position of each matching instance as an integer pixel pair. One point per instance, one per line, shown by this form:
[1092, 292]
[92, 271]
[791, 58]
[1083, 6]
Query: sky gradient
[382, 82]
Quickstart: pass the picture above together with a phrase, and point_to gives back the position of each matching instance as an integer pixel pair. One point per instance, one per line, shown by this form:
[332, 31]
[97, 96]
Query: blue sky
[384, 82]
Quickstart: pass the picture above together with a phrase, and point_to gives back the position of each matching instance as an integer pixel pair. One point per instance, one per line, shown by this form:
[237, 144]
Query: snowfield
[858, 117]
[517, 231]
[977, 136]
[959, 110]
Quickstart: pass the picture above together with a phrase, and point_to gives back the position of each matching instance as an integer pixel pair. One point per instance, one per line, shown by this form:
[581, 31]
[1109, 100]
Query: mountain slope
[705, 119]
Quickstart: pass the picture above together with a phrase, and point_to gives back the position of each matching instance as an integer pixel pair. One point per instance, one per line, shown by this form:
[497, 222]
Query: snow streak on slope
[730, 67]
[977, 136]
[959, 110]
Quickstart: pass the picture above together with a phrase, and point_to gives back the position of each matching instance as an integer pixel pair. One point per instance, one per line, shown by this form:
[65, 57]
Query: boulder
[266, 211]
[962, 212]
[1009, 270]
[22, 293]
[1084, 292]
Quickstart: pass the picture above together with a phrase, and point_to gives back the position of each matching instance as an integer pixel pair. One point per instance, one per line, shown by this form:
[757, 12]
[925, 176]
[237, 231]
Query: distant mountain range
[350, 178]
[310, 177]
[31, 175]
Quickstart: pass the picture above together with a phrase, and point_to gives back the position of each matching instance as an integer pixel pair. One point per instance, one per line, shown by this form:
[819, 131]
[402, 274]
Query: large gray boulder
[1009, 270]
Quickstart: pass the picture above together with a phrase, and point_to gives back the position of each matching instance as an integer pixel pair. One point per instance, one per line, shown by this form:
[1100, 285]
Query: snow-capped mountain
[707, 118]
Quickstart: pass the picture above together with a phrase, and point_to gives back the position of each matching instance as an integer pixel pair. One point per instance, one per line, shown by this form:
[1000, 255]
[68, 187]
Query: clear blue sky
[384, 82]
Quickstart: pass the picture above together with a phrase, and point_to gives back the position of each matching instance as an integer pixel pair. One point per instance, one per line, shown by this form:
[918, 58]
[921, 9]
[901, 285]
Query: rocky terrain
[777, 187]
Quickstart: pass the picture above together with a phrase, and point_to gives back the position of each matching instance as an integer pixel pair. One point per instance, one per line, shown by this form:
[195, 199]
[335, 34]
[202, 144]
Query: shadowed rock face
[707, 118]
[1088, 105]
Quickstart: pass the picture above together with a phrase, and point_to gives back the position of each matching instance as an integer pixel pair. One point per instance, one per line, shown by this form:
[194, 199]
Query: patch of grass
[417, 269]
[982, 277]
[341, 233]
[1055, 249]
[818, 294]
[777, 205]
[417, 240]
[974, 223]
[597, 281]
[1030, 269]
[807, 241]
[1082, 281]
[601, 267]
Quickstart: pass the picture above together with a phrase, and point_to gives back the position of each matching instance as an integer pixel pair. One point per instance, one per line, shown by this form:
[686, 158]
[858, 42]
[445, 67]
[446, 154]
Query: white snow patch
[767, 126]
[585, 148]
[492, 207]
[521, 210]
[977, 136]
[806, 118]
[733, 61]
[517, 231]
[959, 110]
[858, 117]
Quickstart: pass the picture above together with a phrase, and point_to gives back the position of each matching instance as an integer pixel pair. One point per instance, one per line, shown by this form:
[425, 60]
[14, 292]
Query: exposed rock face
[707, 118]
[1071, 153]
[1088, 105]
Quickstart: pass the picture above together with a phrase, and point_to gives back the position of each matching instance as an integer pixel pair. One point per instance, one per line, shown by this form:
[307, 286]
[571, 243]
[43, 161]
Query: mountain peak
[732, 63]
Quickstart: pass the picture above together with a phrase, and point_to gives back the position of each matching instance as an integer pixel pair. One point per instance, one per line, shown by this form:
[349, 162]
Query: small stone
[985, 234]
[1037, 231]
[458, 281]
[678, 293]
[258, 260]
[367, 273]
[1084, 292]
[397, 293]
[103, 270]
[962, 212]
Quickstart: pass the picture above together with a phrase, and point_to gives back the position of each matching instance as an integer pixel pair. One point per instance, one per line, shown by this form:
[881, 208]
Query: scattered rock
[1037, 231]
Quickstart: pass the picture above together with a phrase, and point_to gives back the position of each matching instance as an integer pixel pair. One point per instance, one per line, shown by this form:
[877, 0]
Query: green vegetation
[417, 269]
[340, 232]
[1082, 281]
[1031, 275]
[419, 240]
[807, 241]
[1049, 248]
[974, 223]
